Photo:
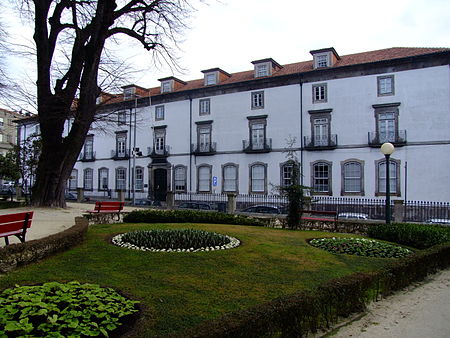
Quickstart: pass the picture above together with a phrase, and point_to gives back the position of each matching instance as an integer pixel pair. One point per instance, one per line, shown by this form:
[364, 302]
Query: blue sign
[214, 181]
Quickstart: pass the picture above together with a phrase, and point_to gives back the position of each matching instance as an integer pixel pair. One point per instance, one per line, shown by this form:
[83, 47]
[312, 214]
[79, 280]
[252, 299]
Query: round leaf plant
[176, 240]
[360, 247]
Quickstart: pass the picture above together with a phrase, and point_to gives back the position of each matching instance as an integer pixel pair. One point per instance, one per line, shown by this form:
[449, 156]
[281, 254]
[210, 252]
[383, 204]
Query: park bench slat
[15, 224]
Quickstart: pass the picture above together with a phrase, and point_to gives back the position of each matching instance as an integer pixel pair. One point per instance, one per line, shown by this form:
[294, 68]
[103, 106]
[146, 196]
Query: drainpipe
[129, 157]
[190, 142]
[301, 131]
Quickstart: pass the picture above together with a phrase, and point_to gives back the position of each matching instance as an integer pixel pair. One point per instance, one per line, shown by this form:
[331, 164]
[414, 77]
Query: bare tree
[70, 38]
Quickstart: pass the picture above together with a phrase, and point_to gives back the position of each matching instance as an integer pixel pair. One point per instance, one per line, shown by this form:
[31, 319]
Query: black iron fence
[428, 212]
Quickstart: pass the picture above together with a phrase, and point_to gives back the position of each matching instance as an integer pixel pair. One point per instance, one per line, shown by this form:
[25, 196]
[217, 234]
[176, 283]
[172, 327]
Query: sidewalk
[421, 310]
[49, 221]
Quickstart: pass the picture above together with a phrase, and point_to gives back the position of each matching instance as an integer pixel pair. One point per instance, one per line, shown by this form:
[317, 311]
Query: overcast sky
[231, 33]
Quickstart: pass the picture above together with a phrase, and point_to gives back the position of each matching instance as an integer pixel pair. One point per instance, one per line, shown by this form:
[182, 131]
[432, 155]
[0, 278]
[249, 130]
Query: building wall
[421, 98]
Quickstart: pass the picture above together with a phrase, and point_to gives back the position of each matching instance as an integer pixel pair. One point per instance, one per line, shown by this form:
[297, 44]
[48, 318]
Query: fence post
[231, 203]
[170, 199]
[121, 195]
[398, 210]
[80, 194]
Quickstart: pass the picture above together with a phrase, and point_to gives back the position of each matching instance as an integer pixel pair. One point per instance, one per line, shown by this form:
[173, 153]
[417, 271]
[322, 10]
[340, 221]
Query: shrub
[360, 247]
[418, 236]
[175, 240]
[187, 216]
[61, 310]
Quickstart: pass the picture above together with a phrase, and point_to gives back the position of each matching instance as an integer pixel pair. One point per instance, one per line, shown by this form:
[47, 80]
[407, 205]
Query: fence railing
[421, 211]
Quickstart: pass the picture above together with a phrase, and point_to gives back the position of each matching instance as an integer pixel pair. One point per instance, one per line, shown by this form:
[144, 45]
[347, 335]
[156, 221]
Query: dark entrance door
[160, 184]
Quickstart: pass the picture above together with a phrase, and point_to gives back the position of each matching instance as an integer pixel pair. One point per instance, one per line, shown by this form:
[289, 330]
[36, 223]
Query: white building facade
[228, 133]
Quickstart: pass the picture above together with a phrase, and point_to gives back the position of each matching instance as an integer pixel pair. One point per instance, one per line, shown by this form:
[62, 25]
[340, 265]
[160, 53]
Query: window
[166, 86]
[258, 178]
[230, 178]
[9, 138]
[89, 148]
[159, 113]
[204, 178]
[1, 137]
[394, 177]
[73, 180]
[204, 138]
[321, 61]
[121, 117]
[2, 123]
[352, 177]
[262, 70]
[319, 93]
[386, 127]
[210, 79]
[287, 173]
[160, 140]
[121, 145]
[321, 131]
[258, 100]
[321, 177]
[103, 174]
[204, 108]
[139, 182]
[121, 177]
[37, 129]
[128, 93]
[88, 179]
[257, 135]
[385, 85]
[180, 178]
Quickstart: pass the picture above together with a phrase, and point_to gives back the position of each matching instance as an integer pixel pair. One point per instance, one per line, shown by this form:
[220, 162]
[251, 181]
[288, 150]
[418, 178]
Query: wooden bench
[320, 212]
[107, 207]
[15, 225]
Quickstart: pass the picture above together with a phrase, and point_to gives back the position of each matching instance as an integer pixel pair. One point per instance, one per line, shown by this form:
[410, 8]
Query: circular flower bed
[179, 240]
[62, 310]
[360, 247]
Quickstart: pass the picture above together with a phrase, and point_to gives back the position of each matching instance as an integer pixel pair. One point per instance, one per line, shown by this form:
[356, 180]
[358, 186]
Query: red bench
[320, 212]
[107, 207]
[15, 225]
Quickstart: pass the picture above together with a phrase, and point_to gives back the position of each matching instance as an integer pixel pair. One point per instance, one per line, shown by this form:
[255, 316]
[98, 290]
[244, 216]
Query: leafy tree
[78, 32]
[27, 159]
[295, 192]
[9, 169]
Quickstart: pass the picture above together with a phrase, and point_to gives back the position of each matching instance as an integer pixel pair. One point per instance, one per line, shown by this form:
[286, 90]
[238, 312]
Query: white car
[438, 221]
[352, 215]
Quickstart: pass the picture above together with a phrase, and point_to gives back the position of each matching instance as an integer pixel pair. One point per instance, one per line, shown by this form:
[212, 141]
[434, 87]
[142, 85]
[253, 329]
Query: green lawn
[179, 290]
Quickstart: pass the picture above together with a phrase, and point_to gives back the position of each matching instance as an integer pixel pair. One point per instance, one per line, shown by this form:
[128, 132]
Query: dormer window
[210, 79]
[265, 67]
[214, 76]
[166, 86]
[128, 93]
[262, 70]
[322, 61]
[324, 58]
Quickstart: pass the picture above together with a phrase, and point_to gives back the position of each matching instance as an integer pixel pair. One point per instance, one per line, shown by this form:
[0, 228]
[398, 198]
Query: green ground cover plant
[180, 290]
[420, 236]
[61, 310]
[360, 247]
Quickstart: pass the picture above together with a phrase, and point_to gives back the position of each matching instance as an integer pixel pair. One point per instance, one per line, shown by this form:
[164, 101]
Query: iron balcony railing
[87, 156]
[158, 152]
[260, 147]
[376, 139]
[203, 149]
[320, 143]
[122, 155]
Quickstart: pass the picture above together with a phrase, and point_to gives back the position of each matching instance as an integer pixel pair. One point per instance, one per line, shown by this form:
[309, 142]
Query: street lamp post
[387, 149]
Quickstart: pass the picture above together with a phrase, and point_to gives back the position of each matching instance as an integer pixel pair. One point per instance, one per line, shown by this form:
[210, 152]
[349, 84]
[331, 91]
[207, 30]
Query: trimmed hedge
[19, 254]
[308, 311]
[418, 236]
[188, 216]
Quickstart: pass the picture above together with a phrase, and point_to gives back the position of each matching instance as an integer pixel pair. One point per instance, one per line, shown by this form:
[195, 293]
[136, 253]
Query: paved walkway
[49, 221]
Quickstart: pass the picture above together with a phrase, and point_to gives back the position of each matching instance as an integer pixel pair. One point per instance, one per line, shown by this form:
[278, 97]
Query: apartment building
[228, 133]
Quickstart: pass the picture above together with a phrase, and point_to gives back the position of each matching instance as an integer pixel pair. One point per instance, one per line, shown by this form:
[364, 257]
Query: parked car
[264, 209]
[438, 221]
[352, 215]
[195, 205]
[70, 196]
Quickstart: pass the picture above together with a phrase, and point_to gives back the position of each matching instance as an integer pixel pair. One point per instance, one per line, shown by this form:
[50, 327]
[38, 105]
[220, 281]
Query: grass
[179, 290]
